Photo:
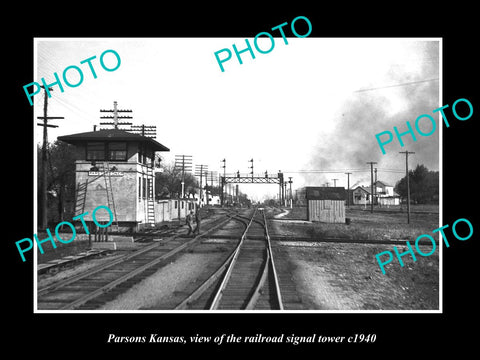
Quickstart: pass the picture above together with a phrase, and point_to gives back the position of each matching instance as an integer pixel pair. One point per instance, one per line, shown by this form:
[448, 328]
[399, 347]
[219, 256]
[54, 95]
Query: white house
[383, 195]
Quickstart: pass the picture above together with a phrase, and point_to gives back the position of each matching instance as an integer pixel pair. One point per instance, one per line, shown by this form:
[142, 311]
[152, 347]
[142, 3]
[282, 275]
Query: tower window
[114, 151]
[95, 150]
[117, 151]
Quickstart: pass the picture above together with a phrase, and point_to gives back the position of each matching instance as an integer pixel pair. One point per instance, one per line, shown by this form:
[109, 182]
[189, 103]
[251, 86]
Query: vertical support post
[223, 182]
[89, 235]
[371, 185]
[44, 164]
[291, 196]
[183, 176]
[348, 189]
[206, 186]
[115, 115]
[201, 190]
[408, 182]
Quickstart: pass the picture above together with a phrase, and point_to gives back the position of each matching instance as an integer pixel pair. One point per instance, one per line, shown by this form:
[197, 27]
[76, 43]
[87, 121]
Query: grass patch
[364, 225]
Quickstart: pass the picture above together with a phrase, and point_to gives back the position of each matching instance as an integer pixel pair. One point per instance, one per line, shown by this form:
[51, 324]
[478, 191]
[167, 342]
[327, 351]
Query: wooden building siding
[329, 211]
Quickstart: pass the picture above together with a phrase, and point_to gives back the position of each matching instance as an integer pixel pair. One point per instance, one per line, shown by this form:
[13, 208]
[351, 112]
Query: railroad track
[92, 288]
[247, 279]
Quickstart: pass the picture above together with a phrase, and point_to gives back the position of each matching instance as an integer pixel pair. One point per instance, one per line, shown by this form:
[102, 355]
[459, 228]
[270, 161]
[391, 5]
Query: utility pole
[224, 166]
[206, 186]
[281, 194]
[371, 186]
[408, 182]
[144, 130]
[199, 169]
[291, 197]
[183, 163]
[251, 167]
[375, 183]
[44, 220]
[212, 175]
[115, 117]
[348, 189]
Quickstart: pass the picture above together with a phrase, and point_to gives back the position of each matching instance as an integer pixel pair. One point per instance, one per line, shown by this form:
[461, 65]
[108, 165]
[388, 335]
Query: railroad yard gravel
[166, 287]
[346, 276]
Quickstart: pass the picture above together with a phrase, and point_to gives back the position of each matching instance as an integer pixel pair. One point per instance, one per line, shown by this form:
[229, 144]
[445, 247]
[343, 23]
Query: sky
[310, 108]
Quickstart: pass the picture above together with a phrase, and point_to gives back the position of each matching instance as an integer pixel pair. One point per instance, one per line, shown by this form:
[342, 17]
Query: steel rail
[272, 263]
[101, 267]
[112, 284]
[261, 282]
[211, 279]
[97, 269]
[218, 295]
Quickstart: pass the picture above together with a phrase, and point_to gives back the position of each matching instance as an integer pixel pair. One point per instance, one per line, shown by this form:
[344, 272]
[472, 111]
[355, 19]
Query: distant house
[383, 195]
[325, 204]
[361, 195]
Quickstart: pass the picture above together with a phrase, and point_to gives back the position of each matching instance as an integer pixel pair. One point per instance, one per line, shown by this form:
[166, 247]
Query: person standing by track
[198, 219]
[189, 221]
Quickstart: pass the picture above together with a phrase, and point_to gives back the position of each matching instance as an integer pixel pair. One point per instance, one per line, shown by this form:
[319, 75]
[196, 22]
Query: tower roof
[112, 135]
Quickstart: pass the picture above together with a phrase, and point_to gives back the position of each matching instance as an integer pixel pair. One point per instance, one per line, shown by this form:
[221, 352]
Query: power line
[341, 171]
[397, 85]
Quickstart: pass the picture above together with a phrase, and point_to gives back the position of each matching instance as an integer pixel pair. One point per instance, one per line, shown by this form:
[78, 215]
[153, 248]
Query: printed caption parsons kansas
[112, 338]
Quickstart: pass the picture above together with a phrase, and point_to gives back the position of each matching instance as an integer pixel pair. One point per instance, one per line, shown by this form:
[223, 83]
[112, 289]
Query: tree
[168, 184]
[424, 185]
[60, 180]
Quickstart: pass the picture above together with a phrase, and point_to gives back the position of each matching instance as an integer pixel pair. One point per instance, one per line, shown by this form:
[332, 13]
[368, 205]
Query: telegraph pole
[291, 197]
[371, 186]
[44, 220]
[251, 167]
[206, 186]
[199, 169]
[115, 116]
[183, 162]
[348, 189]
[224, 166]
[408, 182]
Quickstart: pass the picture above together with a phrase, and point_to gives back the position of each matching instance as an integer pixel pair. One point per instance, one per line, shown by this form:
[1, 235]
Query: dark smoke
[352, 143]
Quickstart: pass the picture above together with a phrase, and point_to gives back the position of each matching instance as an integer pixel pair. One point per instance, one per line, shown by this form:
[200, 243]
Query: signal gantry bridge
[238, 178]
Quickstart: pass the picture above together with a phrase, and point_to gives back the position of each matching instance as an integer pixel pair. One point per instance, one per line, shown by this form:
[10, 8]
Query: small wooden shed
[325, 204]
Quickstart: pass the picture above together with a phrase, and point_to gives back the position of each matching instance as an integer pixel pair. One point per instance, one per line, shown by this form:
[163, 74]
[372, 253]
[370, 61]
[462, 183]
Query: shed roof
[325, 193]
[379, 182]
[364, 188]
[112, 134]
